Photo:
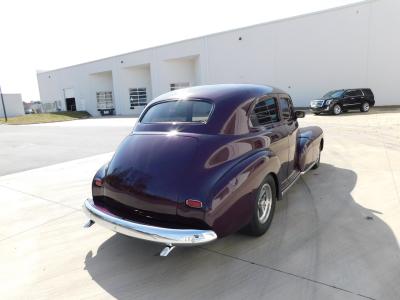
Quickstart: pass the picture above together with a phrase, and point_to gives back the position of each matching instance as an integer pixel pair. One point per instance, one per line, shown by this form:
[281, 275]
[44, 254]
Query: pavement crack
[286, 273]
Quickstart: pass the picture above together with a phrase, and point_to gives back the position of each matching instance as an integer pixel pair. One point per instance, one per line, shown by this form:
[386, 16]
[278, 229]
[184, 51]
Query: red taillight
[194, 203]
[98, 182]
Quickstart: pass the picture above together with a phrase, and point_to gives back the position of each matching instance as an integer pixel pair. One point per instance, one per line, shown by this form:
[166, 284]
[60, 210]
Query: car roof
[230, 106]
[220, 92]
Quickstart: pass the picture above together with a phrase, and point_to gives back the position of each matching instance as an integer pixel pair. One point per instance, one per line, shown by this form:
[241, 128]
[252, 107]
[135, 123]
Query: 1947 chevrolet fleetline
[202, 163]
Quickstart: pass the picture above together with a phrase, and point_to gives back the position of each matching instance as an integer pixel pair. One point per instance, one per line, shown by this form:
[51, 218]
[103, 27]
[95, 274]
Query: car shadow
[321, 244]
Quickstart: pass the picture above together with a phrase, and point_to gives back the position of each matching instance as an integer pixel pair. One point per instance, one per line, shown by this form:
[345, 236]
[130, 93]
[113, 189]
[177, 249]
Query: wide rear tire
[264, 208]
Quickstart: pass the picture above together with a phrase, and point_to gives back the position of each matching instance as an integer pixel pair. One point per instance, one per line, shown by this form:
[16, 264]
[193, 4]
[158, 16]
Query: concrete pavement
[24, 147]
[334, 236]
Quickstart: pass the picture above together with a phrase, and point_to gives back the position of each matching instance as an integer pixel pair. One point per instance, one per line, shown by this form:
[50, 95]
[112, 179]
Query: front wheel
[337, 109]
[264, 208]
[364, 107]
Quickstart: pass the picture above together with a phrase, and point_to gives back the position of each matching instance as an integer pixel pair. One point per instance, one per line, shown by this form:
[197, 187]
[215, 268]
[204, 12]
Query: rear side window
[354, 93]
[265, 112]
[178, 111]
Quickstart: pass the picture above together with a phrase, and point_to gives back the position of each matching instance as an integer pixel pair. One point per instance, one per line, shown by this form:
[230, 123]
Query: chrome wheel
[264, 203]
[365, 107]
[337, 109]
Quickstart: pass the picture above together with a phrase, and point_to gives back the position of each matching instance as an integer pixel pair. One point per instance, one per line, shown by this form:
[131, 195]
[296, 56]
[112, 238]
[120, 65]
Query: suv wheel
[364, 107]
[337, 109]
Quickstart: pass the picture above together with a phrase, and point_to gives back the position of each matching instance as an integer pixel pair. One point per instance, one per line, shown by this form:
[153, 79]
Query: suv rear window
[368, 92]
[178, 111]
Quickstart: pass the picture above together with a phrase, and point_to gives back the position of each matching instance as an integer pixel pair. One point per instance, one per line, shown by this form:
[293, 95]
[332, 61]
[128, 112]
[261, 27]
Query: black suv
[339, 101]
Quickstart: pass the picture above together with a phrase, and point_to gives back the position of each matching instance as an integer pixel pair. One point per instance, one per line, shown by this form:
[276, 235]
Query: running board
[296, 177]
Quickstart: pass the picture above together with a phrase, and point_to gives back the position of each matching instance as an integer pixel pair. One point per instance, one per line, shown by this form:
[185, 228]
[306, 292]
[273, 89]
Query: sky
[48, 34]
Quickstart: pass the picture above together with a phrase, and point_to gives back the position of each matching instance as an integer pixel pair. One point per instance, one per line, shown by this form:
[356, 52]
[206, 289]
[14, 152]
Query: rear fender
[233, 195]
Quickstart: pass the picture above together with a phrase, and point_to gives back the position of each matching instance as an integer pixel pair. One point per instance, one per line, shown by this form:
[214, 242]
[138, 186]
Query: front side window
[285, 108]
[137, 97]
[178, 111]
[265, 112]
[333, 94]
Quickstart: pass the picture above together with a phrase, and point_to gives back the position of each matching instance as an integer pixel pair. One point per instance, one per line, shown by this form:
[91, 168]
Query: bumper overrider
[167, 236]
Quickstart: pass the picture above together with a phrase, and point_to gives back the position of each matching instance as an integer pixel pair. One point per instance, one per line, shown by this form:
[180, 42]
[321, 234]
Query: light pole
[2, 102]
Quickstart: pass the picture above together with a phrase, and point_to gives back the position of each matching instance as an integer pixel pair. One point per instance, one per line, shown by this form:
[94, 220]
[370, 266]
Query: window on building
[178, 85]
[285, 108]
[137, 97]
[265, 112]
[178, 111]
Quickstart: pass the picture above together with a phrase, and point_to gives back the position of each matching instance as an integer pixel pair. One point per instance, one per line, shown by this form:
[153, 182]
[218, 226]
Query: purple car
[203, 163]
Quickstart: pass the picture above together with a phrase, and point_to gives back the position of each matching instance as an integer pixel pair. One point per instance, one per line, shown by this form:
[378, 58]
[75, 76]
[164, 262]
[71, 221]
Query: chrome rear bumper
[167, 236]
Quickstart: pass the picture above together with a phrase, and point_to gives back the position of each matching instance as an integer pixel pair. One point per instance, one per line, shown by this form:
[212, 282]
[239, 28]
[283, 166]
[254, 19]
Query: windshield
[333, 94]
[178, 111]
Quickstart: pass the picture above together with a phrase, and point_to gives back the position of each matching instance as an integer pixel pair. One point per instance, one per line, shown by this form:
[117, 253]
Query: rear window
[178, 111]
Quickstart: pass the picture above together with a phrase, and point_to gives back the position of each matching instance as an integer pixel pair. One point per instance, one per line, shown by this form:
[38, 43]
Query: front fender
[309, 144]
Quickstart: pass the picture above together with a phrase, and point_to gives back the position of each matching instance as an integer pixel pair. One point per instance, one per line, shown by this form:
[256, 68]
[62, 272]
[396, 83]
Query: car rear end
[370, 96]
[139, 192]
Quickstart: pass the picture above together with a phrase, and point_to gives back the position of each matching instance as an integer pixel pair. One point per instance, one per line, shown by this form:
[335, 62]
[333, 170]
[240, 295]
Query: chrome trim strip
[169, 236]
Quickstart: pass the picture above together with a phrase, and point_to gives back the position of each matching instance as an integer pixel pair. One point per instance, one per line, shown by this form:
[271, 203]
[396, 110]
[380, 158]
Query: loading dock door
[69, 96]
[70, 104]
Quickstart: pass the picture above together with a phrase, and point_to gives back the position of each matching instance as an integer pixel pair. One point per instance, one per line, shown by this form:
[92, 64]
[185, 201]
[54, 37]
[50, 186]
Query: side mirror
[299, 114]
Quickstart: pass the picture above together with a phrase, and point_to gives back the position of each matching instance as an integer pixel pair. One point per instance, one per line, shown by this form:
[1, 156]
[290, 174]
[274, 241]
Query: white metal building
[354, 46]
[13, 105]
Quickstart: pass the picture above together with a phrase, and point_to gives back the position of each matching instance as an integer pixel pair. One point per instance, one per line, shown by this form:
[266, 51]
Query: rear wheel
[264, 208]
[364, 107]
[337, 109]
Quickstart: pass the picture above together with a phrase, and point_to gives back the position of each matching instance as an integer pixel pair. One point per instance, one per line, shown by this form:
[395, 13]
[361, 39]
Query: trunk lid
[147, 171]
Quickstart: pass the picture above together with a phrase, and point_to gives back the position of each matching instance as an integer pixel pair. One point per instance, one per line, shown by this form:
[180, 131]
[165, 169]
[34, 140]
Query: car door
[351, 99]
[292, 127]
[266, 120]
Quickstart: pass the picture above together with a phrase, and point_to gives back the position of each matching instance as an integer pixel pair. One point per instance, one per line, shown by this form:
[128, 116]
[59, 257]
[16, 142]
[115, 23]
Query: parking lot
[335, 235]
